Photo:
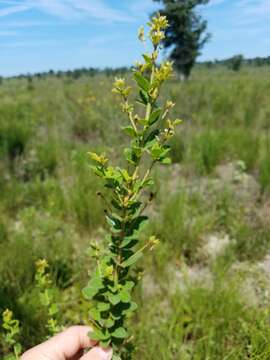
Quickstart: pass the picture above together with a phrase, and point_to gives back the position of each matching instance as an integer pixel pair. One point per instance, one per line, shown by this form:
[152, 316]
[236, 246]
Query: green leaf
[144, 98]
[99, 335]
[132, 260]
[133, 307]
[53, 309]
[130, 131]
[103, 306]
[93, 287]
[128, 242]
[116, 357]
[18, 349]
[98, 170]
[95, 314]
[129, 285]
[120, 333]
[166, 161]
[109, 323]
[154, 116]
[150, 138]
[114, 221]
[114, 299]
[142, 82]
[116, 204]
[125, 296]
[105, 344]
[129, 156]
[137, 222]
[156, 151]
[147, 58]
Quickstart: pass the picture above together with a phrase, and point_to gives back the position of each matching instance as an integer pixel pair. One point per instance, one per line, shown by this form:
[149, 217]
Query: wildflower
[41, 265]
[120, 87]
[100, 159]
[141, 35]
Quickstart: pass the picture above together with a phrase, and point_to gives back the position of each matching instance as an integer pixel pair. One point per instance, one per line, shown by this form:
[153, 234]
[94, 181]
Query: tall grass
[48, 207]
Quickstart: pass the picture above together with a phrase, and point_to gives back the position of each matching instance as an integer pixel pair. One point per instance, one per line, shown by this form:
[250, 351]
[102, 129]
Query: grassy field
[205, 292]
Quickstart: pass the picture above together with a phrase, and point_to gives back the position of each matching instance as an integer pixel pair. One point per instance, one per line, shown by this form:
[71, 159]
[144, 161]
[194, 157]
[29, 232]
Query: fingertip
[98, 353]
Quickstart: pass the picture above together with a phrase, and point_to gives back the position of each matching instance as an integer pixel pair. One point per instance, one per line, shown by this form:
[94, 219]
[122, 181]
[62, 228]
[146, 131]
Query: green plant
[111, 286]
[11, 328]
[186, 35]
[46, 294]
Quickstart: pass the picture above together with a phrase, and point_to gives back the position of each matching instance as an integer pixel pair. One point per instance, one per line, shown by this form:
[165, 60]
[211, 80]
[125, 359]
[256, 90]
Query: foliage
[112, 284]
[48, 209]
[11, 327]
[236, 62]
[185, 33]
[46, 294]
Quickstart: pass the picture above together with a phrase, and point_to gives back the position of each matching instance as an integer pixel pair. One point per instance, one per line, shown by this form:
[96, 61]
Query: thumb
[97, 353]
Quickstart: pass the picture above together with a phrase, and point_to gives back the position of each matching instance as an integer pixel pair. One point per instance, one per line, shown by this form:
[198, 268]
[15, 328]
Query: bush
[15, 128]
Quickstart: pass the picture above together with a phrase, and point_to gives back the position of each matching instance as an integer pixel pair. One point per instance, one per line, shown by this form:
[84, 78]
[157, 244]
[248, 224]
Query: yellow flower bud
[141, 35]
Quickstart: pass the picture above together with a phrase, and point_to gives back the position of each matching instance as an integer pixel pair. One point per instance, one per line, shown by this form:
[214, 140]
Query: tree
[186, 34]
[236, 62]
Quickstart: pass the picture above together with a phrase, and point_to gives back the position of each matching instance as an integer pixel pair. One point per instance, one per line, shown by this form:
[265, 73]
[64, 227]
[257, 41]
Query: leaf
[147, 58]
[105, 344]
[130, 131]
[116, 204]
[103, 306]
[99, 335]
[129, 285]
[98, 170]
[166, 161]
[142, 82]
[53, 309]
[156, 151]
[144, 98]
[129, 155]
[116, 357]
[132, 260]
[18, 349]
[151, 137]
[148, 182]
[128, 242]
[154, 116]
[133, 307]
[95, 314]
[125, 296]
[118, 310]
[114, 299]
[136, 223]
[113, 221]
[109, 323]
[92, 288]
[120, 333]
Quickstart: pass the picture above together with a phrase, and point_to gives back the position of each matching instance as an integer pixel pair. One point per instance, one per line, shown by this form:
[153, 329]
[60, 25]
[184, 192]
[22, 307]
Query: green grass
[49, 207]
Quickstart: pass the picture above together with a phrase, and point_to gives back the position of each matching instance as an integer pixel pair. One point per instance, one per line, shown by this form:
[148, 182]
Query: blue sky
[38, 35]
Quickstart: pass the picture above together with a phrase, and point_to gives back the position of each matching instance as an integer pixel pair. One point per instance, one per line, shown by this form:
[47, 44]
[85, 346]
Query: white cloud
[99, 10]
[255, 7]
[25, 24]
[13, 9]
[69, 9]
[215, 2]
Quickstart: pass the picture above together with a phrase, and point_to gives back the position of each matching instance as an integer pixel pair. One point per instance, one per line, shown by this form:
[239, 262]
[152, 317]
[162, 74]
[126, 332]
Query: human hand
[68, 345]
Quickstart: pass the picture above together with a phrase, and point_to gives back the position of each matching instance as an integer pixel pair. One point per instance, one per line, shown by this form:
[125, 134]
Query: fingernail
[105, 354]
